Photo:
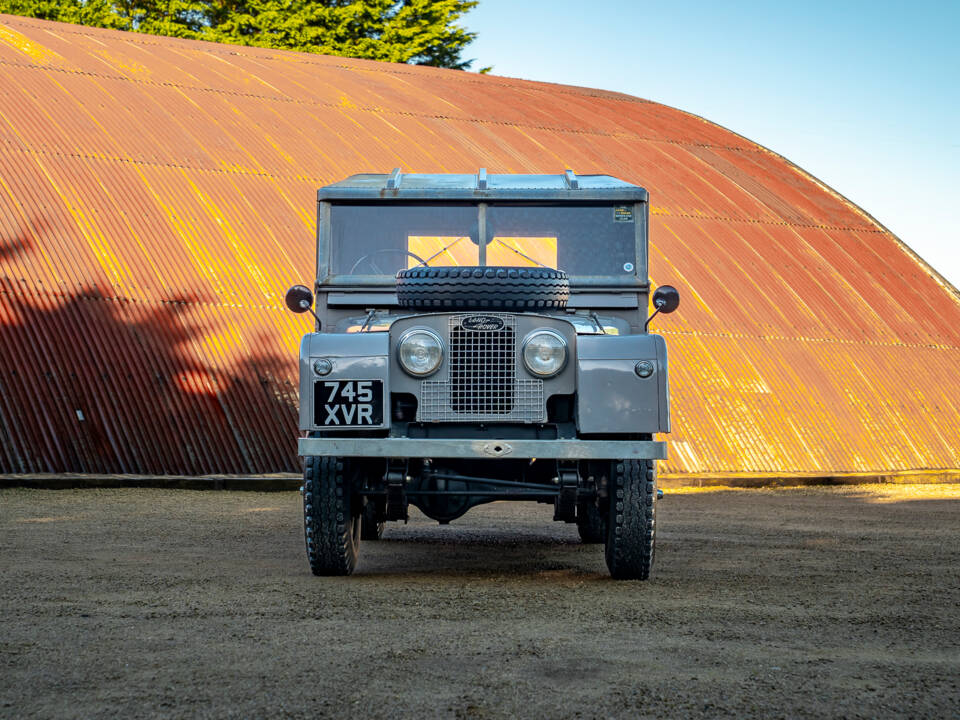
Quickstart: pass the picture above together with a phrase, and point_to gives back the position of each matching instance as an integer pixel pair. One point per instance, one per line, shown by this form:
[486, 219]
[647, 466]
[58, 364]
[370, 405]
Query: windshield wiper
[523, 255]
[441, 251]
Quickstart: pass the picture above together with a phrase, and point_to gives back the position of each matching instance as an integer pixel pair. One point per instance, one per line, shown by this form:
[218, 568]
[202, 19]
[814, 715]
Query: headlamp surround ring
[431, 364]
[554, 368]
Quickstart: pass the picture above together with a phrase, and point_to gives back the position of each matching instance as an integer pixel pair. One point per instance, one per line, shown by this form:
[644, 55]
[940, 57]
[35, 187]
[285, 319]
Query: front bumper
[484, 449]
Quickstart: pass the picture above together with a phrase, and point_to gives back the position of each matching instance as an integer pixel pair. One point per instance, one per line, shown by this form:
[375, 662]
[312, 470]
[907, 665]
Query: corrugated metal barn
[157, 197]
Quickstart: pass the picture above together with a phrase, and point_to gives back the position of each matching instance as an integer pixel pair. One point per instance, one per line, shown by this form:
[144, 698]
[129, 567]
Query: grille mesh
[482, 381]
[482, 370]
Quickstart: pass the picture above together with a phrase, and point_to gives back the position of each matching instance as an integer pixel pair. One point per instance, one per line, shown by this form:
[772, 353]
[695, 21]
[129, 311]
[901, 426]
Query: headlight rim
[563, 342]
[420, 331]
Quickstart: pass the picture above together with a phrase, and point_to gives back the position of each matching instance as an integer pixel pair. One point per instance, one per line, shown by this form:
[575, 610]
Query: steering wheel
[373, 264]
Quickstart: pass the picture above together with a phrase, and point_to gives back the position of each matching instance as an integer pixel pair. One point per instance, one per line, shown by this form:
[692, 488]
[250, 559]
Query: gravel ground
[775, 603]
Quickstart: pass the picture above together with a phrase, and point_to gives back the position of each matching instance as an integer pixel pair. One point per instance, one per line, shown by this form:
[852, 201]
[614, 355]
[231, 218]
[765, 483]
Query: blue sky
[865, 96]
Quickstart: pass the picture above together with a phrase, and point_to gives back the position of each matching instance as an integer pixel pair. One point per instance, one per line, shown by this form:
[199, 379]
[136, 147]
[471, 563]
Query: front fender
[611, 397]
[354, 356]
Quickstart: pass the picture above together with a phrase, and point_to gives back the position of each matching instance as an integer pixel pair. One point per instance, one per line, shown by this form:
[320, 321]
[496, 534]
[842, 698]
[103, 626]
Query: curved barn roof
[157, 197]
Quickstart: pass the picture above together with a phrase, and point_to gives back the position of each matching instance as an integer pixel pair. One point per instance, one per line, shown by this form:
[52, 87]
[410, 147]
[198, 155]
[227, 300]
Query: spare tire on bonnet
[481, 288]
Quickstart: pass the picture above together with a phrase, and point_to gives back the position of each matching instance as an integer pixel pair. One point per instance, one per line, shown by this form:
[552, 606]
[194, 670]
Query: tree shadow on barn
[91, 383]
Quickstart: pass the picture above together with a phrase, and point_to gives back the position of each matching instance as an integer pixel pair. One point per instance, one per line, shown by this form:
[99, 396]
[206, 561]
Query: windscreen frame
[635, 280]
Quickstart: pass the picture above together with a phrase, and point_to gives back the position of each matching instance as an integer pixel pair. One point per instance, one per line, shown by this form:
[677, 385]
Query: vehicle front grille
[482, 368]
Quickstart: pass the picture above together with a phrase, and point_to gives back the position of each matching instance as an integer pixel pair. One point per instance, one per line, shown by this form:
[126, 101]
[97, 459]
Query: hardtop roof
[481, 186]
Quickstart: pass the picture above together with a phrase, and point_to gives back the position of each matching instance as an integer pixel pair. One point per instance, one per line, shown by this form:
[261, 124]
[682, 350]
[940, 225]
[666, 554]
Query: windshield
[582, 240]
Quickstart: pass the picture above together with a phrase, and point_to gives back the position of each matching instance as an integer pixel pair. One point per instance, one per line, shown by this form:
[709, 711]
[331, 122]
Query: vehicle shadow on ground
[527, 564]
[477, 538]
[480, 552]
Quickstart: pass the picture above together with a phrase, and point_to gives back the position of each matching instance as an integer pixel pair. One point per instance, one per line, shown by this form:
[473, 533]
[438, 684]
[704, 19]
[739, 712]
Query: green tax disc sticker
[623, 213]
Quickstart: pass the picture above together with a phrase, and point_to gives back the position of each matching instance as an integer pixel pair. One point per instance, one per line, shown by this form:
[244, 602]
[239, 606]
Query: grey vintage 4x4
[481, 338]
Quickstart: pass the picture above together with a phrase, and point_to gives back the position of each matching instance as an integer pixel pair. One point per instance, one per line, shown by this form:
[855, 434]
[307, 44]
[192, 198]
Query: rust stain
[157, 199]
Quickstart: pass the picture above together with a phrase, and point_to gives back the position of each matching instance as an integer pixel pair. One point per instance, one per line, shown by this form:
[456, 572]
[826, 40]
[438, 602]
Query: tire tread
[478, 288]
[632, 531]
[327, 519]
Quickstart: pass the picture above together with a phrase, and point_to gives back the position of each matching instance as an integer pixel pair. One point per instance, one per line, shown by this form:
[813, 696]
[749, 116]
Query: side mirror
[299, 298]
[666, 299]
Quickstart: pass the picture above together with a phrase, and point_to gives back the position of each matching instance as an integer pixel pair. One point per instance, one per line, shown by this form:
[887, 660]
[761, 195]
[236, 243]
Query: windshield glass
[582, 240]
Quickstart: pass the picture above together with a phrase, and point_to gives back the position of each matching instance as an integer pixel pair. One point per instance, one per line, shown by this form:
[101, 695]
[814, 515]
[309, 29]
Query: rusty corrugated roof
[157, 198]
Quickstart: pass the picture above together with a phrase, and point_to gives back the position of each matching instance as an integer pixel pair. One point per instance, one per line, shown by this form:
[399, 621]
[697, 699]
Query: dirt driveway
[772, 603]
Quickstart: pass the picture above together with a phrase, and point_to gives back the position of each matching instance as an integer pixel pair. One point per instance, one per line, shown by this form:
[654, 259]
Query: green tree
[420, 32]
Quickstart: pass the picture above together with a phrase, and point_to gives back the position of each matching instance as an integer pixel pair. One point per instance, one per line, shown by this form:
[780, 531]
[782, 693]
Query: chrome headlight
[544, 353]
[420, 352]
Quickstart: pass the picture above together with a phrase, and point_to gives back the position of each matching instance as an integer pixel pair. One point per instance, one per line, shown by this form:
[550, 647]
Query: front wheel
[631, 523]
[331, 516]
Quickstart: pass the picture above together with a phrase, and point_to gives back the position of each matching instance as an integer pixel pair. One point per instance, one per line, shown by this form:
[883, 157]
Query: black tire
[591, 523]
[631, 523]
[331, 516]
[371, 524]
[482, 288]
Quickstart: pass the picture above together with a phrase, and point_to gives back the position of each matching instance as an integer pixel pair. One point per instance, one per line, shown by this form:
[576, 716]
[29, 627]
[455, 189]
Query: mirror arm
[647, 323]
[306, 306]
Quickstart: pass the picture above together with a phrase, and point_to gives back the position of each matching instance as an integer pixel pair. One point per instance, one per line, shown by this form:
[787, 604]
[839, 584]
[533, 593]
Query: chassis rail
[481, 449]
